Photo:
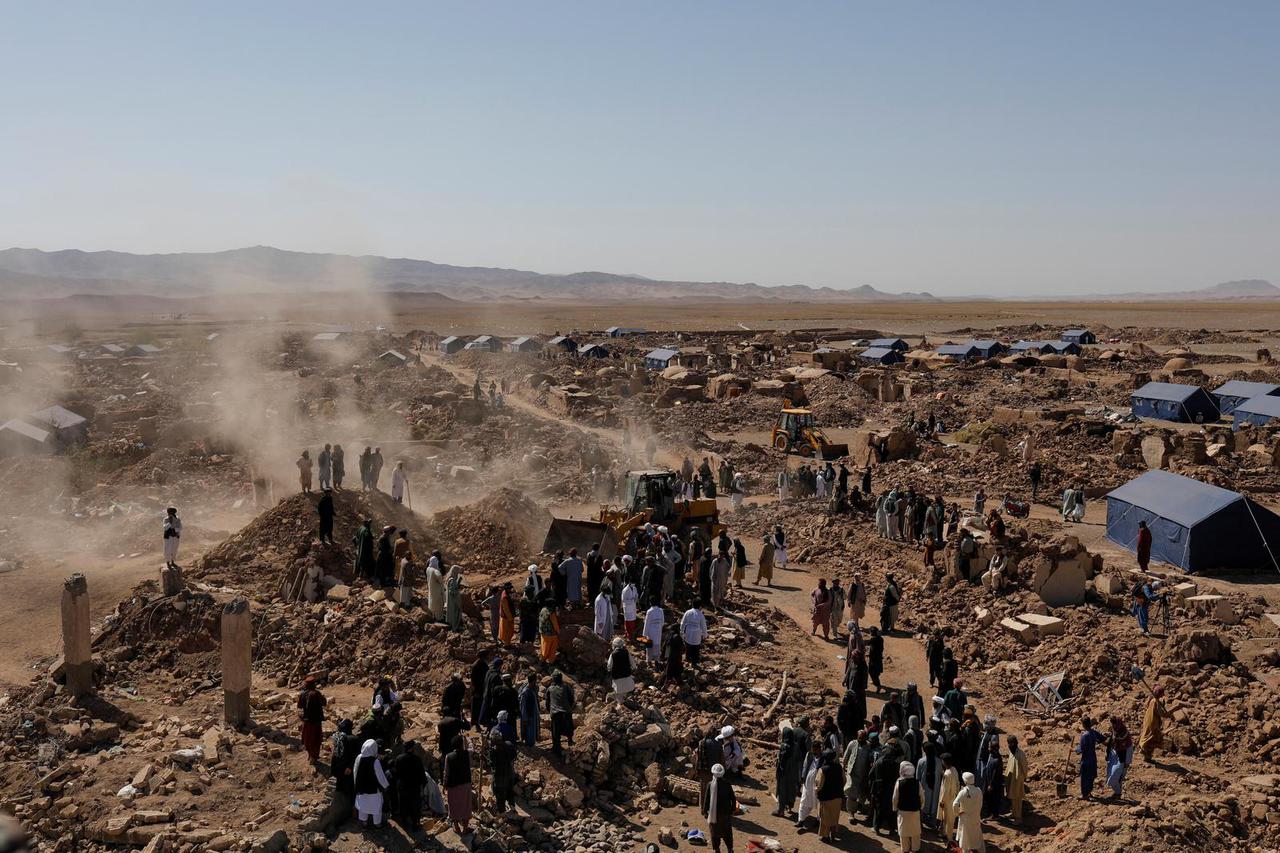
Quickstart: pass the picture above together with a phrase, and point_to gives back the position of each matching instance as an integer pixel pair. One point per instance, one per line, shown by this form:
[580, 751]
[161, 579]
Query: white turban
[906, 770]
[717, 771]
[533, 568]
[968, 778]
[727, 732]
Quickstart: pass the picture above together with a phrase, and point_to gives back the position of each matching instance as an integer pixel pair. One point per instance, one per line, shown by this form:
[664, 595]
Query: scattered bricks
[1024, 632]
[983, 615]
[683, 790]
[1046, 626]
[143, 777]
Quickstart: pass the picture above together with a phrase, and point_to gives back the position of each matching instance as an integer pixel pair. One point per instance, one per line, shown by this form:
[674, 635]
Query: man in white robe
[604, 615]
[370, 782]
[968, 806]
[399, 479]
[653, 619]
[172, 534]
[630, 597]
[809, 788]
[435, 589]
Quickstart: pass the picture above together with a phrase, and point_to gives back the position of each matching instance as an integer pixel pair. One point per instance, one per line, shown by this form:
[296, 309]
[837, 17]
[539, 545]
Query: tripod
[1162, 615]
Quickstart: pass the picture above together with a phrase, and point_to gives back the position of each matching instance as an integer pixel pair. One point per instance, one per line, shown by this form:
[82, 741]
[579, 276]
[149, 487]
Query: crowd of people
[920, 765]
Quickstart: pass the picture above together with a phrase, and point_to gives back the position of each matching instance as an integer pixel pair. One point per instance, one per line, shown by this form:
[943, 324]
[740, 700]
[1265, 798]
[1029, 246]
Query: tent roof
[396, 354]
[887, 342]
[450, 339]
[1261, 405]
[955, 349]
[57, 417]
[27, 430]
[663, 354]
[1171, 391]
[326, 336]
[876, 352]
[1240, 388]
[1180, 499]
[984, 344]
[1077, 332]
[523, 339]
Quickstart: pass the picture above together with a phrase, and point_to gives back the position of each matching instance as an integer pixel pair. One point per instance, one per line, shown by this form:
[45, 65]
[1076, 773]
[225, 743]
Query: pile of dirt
[496, 534]
[269, 551]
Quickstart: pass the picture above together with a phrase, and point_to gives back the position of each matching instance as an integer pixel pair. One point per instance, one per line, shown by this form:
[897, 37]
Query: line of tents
[889, 351]
[1256, 403]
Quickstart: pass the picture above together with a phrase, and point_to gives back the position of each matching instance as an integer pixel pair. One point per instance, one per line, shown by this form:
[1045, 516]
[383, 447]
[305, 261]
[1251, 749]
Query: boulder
[1108, 584]
[1198, 646]
[1061, 584]
[1213, 606]
[1046, 626]
[1024, 632]
[1155, 451]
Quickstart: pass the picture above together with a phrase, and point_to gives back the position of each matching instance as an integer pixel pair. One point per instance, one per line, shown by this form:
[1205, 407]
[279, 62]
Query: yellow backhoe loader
[797, 433]
[649, 496]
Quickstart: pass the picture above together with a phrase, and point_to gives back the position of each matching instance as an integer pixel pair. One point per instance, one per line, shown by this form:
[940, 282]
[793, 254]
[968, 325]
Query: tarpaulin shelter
[1169, 401]
[960, 352]
[1080, 336]
[881, 355]
[1194, 525]
[1259, 411]
[1234, 392]
[890, 343]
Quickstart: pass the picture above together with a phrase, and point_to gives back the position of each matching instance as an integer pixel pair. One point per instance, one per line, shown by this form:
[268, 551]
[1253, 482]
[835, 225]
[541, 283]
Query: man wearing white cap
[604, 614]
[621, 667]
[968, 805]
[719, 806]
[907, 803]
[734, 759]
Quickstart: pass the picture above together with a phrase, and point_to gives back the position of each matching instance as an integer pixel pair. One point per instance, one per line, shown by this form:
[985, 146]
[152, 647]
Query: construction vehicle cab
[649, 496]
[797, 432]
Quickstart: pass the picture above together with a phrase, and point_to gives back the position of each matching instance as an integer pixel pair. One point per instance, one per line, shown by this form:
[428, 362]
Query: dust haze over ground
[188, 425]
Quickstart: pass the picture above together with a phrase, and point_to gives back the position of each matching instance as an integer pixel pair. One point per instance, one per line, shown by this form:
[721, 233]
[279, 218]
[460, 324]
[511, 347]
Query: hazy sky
[1003, 148]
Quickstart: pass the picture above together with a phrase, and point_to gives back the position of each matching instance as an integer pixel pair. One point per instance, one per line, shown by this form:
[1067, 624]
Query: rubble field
[494, 445]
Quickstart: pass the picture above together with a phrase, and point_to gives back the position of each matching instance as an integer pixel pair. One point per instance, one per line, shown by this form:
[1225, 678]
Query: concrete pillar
[237, 660]
[170, 580]
[76, 651]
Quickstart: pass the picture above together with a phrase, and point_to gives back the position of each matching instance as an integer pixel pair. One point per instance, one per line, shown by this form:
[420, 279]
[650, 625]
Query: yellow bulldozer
[797, 432]
[649, 496]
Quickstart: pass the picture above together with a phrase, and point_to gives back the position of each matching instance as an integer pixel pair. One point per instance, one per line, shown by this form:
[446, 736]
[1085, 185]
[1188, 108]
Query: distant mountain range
[35, 274]
[31, 273]
[1252, 288]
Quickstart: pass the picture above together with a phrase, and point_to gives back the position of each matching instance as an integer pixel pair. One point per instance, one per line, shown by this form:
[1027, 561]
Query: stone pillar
[76, 651]
[170, 580]
[237, 660]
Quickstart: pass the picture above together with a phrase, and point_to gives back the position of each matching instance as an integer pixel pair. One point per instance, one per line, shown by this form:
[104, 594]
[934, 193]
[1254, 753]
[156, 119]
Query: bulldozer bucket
[834, 451]
[566, 533]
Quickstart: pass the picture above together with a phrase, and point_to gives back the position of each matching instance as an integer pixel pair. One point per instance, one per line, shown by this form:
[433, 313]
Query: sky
[1020, 149]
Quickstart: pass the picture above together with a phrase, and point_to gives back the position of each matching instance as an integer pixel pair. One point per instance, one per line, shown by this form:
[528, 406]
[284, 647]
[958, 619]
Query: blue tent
[1171, 402]
[1233, 393]
[988, 349]
[1193, 525]
[890, 343]
[881, 355]
[1079, 336]
[1032, 346]
[963, 352]
[660, 359]
[1258, 410]
[1064, 347]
